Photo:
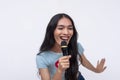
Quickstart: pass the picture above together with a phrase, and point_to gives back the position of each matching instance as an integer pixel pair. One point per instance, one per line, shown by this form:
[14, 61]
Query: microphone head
[63, 44]
[64, 48]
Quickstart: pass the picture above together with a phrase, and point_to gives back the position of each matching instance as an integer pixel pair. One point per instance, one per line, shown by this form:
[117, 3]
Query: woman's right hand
[64, 63]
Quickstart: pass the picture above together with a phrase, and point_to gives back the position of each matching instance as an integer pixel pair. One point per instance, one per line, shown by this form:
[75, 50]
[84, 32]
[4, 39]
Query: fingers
[102, 61]
[98, 62]
[64, 62]
[104, 68]
[100, 65]
[65, 57]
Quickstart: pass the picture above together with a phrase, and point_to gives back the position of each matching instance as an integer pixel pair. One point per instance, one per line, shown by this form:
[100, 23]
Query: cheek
[57, 38]
[71, 33]
[57, 32]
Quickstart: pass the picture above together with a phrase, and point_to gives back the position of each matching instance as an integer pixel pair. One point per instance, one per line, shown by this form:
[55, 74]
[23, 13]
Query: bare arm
[98, 69]
[44, 73]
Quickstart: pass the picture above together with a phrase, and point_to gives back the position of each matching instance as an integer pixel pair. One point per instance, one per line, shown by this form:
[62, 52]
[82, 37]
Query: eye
[70, 27]
[60, 27]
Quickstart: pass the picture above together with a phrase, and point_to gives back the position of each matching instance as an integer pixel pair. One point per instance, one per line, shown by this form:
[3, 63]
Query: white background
[22, 29]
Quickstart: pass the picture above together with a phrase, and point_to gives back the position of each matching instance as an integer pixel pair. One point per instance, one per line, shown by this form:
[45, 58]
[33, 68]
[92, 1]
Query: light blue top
[48, 59]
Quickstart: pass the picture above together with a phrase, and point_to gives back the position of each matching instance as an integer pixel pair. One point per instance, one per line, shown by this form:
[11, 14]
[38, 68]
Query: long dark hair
[49, 41]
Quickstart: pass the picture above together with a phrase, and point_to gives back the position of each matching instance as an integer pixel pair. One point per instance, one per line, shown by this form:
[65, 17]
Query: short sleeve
[41, 62]
[80, 49]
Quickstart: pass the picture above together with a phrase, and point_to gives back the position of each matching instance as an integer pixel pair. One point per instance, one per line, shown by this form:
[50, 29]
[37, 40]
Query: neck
[56, 48]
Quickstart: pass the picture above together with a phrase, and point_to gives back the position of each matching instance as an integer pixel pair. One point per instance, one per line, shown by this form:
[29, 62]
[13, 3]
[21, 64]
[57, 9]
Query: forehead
[64, 21]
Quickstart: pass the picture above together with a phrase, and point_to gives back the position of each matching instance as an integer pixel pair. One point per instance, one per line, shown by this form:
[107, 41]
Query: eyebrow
[64, 26]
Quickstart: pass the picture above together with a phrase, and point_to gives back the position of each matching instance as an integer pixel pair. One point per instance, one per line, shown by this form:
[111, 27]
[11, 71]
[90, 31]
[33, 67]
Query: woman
[51, 63]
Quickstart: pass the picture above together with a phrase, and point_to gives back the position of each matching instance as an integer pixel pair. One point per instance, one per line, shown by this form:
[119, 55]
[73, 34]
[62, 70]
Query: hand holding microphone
[64, 62]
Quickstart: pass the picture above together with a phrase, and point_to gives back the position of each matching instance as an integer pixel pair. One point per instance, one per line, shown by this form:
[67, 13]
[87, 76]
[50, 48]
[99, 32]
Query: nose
[65, 31]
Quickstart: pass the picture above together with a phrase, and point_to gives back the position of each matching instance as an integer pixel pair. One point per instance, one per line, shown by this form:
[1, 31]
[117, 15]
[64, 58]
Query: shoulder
[42, 55]
[80, 48]
[42, 59]
[48, 55]
[79, 45]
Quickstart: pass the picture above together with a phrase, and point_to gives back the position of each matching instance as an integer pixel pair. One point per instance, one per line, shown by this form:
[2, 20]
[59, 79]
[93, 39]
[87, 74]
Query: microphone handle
[65, 52]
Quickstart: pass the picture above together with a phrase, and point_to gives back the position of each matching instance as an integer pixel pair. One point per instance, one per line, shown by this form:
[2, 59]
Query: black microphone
[64, 48]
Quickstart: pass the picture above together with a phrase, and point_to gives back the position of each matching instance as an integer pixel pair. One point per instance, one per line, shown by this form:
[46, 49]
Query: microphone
[64, 48]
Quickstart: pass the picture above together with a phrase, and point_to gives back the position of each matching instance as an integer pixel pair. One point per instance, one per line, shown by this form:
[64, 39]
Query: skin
[64, 31]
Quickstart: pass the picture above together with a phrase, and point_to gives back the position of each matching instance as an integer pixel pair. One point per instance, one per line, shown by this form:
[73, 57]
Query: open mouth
[65, 38]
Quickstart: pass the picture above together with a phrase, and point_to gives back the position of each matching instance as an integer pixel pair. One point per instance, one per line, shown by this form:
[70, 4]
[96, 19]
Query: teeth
[64, 38]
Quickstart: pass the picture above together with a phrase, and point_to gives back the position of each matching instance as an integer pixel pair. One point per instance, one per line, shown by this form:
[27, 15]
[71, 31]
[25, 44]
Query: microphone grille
[63, 44]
